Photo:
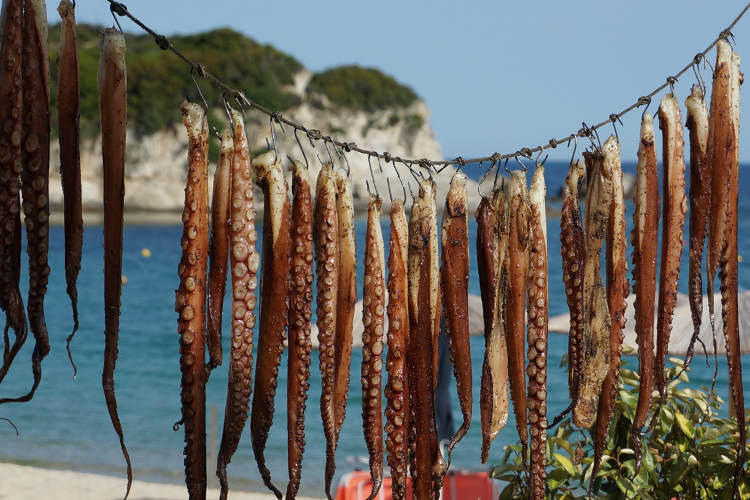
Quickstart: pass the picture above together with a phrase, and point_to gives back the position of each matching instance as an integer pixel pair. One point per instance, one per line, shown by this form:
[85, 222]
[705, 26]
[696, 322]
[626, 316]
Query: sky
[496, 76]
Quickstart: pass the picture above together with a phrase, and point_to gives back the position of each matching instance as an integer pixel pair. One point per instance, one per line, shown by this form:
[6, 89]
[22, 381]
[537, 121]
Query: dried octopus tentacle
[274, 305]
[595, 346]
[218, 248]
[573, 255]
[35, 177]
[396, 391]
[11, 104]
[191, 300]
[675, 210]
[70, 160]
[113, 111]
[455, 288]
[728, 265]
[617, 291]
[492, 247]
[700, 200]
[644, 237]
[300, 306]
[373, 318]
[325, 235]
[720, 137]
[518, 255]
[244, 261]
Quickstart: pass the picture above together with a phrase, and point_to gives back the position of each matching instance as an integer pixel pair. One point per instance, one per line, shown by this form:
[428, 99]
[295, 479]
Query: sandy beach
[34, 483]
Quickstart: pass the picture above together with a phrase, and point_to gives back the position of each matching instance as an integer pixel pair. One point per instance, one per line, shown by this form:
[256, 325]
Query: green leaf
[565, 463]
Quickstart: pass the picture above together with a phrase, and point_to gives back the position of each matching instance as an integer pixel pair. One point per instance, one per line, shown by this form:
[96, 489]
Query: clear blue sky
[496, 75]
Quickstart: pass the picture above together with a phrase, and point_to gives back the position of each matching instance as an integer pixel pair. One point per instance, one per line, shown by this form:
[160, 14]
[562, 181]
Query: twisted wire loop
[431, 165]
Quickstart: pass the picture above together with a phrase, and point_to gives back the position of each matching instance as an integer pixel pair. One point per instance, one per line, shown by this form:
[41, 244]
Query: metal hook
[227, 109]
[671, 80]
[342, 154]
[482, 178]
[398, 174]
[372, 174]
[302, 150]
[615, 118]
[198, 88]
[497, 173]
[575, 147]
[505, 166]
[523, 165]
[644, 99]
[536, 160]
[697, 71]
[325, 143]
[273, 140]
[117, 9]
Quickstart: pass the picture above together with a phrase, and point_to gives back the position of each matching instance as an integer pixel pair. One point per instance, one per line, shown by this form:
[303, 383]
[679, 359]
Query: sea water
[67, 424]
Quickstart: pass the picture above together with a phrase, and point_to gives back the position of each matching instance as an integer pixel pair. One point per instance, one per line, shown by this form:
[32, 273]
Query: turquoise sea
[67, 425]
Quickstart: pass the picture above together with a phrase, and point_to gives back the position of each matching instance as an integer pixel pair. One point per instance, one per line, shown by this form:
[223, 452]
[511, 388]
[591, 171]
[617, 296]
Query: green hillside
[158, 81]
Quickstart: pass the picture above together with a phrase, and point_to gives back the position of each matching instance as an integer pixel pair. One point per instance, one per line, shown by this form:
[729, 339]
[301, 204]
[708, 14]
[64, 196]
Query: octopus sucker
[190, 301]
[396, 390]
[700, 200]
[537, 331]
[218, 247]
[113, 111]
[244, 262]
[618, 288]
[728, 274]
[274, 305]
[455, 288]
[70, 158]
[35, 138]
[326, 240]
[644, 237]
[675, 211]
[595, 348]
[518, 259]
[492, 250]
[373, 317]
[11, 105]
[300, 306]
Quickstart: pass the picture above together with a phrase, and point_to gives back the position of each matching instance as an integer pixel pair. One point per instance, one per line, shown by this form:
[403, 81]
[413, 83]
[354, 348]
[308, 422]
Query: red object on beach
[475, 485]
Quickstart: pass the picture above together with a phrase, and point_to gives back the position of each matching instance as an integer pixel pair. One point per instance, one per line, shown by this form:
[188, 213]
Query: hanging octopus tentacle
[518, 255]
[244, 262]
[573, 255]
[396, 391]
[595, 346]
[191, 300]
[644, 239]
[373, 319]
[728, 271]
[492, 249]
[218, 248]
[70, 158]
[675, 210]
[300, 307]
[11, 114]
[113, 111]
[35, 178]
[700, 200]
[274, 296]
[538, 324]
[617, 291]
[455, 288]
[326, 238]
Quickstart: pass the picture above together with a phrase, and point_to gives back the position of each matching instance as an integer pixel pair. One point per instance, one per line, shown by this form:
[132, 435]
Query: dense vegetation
[689, 452]
[158, 81]
[361, 88]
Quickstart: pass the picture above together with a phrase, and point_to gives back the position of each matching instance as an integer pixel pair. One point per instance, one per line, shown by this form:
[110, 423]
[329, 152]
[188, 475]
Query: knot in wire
[314, 134]
[495, 157]
[585, 130]
[671, 80]
[553, 143]
[525, 152]
[118, 8]
[460, 161]
[162, 42]
[698, 58]
[348, 146]
[644, 100]
[276, 116]
[200, 69]
[387, 157]
[725, 35]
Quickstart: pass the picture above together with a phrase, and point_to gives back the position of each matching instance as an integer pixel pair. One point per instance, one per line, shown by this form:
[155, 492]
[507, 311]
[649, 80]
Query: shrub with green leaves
[688, 452]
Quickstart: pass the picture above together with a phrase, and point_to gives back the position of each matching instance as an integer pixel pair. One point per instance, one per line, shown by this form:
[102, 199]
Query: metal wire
[163, 43]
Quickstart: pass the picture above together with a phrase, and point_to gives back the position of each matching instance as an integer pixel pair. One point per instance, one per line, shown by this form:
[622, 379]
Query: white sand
[33, 483]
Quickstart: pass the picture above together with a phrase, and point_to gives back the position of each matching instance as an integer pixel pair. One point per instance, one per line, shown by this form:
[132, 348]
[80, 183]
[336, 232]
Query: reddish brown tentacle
[113, 111]
[455, 287]
[675, 210]
[244, 261]
[538, 319]
[300, 306]
[518, 254]
[218, 248]
[700, 200]
[617, 291]
[373, 318]
[396, 391]
[326, 238]
[11, 114]
[644, 237]
[191, 300]
[274, 296]
[595, 346]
